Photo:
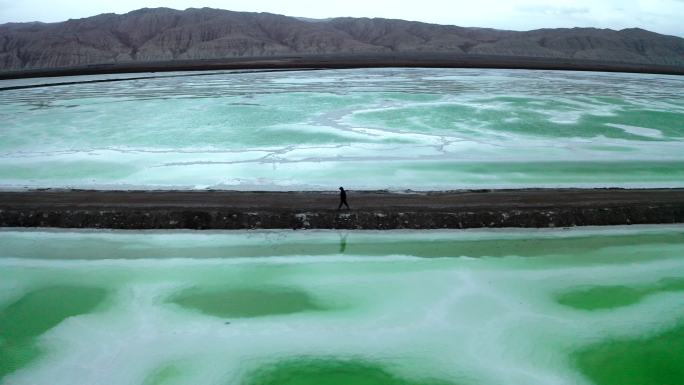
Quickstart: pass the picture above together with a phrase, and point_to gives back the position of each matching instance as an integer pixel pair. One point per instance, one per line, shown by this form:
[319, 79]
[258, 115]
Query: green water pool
[565, 306]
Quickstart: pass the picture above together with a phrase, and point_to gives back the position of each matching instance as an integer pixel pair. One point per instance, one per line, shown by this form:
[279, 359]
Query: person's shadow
[343, 243]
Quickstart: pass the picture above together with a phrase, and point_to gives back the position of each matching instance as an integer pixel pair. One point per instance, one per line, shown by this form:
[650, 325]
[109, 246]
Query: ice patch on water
[640, 131]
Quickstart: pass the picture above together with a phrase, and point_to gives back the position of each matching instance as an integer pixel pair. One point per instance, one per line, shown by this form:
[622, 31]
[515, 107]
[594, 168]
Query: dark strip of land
[422, 60]
[369, 209]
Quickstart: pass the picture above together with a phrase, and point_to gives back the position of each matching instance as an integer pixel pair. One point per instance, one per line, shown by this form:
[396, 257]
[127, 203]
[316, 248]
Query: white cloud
[553, 10]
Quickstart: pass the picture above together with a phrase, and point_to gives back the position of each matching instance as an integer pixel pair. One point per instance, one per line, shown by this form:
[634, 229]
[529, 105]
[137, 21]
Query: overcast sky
[663, 16]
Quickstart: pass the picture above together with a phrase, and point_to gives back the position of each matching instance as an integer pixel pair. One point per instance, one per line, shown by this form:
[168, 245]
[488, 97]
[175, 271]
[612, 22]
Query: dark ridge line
[352, 61]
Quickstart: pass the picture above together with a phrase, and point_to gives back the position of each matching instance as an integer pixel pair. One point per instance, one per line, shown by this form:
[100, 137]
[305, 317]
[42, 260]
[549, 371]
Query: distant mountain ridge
[163, 34]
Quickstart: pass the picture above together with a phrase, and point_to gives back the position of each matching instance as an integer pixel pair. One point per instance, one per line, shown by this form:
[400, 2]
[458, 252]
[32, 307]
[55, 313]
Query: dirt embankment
[318, 210]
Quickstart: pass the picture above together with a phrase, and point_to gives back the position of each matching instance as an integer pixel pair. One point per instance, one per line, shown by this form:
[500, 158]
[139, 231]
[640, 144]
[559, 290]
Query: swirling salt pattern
[380, 128]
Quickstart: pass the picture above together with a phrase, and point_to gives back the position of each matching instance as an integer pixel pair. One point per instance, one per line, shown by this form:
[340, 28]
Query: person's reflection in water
[343, 243]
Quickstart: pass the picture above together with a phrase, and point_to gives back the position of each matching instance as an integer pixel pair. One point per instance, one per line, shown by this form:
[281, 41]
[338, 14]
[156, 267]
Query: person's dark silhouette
[343, 199]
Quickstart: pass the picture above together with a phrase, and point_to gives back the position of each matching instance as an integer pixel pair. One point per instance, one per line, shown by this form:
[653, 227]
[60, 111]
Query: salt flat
[421, 129]
[432, 307]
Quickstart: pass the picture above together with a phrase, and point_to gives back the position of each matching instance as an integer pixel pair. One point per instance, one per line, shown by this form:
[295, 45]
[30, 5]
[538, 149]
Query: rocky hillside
[162, 34]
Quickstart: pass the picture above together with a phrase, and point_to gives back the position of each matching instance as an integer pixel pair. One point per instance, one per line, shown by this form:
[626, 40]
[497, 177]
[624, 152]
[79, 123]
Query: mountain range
[167, 35]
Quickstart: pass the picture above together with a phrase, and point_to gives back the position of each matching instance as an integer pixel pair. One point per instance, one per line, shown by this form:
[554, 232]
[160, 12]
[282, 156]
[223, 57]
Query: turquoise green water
[23, 321]
[587, 306]
[421, 129]
[245, 302]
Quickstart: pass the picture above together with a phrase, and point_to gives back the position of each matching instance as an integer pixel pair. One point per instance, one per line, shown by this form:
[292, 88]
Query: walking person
[343, 199]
